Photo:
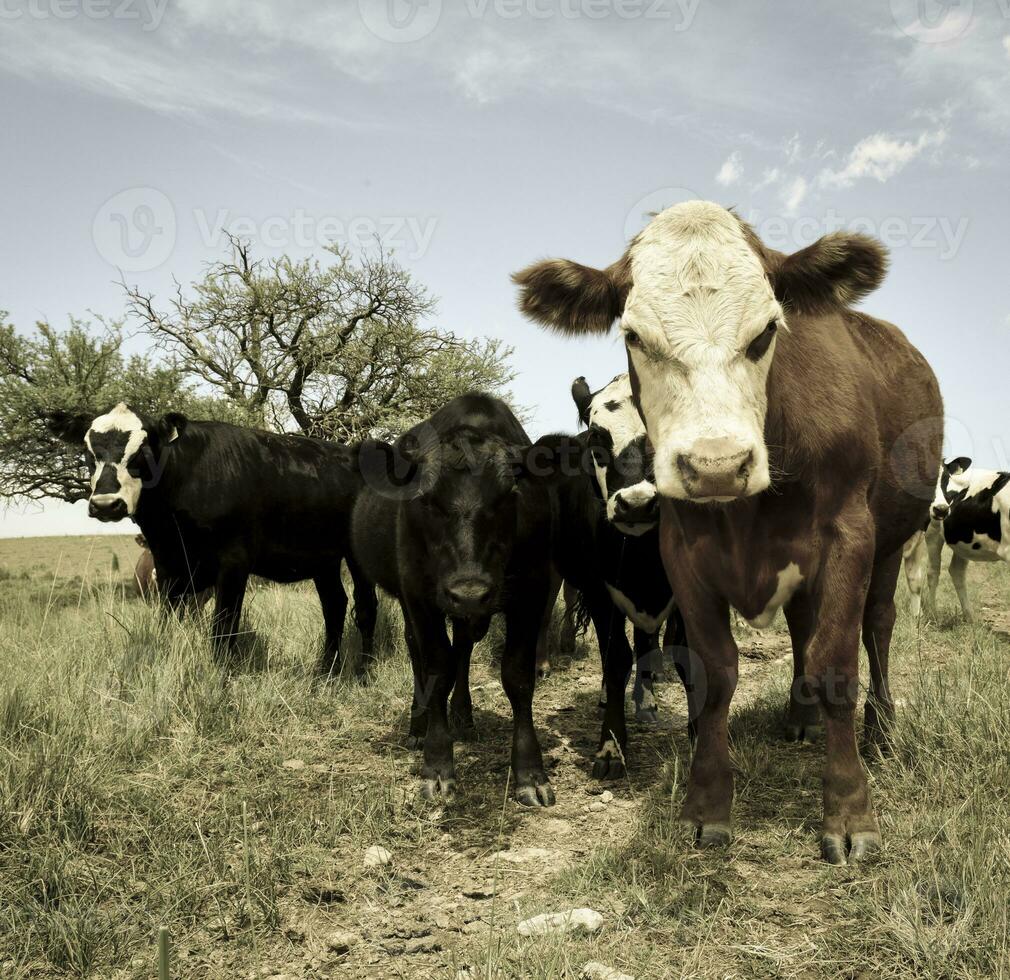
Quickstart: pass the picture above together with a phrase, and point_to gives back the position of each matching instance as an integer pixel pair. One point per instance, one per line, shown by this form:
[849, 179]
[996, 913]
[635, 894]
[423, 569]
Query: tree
[337, 350]
[81, 368]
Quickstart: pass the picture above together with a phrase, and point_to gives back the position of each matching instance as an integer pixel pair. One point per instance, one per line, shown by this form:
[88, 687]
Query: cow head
[121, 450]
[700, 302]
[461, 510]
[951, 486]
[622, 460]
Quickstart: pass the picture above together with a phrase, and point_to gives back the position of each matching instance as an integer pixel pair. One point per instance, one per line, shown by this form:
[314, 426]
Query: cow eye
[632, 339]
[760, 344]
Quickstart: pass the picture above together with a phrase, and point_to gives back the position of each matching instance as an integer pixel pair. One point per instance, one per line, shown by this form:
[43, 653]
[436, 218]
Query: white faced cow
[790, 435]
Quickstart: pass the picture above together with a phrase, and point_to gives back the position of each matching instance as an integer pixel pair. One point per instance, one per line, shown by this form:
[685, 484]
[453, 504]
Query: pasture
[142, 787]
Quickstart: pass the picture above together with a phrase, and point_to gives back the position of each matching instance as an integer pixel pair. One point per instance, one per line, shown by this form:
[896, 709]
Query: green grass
[140, 786]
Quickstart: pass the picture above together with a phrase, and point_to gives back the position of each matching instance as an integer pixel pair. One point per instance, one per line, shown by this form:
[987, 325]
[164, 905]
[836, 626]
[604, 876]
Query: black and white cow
[217, 503]
[607, 547]
[449, 524]
[970, 513]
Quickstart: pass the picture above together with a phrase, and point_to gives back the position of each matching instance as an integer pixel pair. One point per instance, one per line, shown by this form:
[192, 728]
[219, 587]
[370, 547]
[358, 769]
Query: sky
[475, 136]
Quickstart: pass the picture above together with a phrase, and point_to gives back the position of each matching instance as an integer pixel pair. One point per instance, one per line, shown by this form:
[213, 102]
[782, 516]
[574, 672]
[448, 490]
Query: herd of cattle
[768, 447]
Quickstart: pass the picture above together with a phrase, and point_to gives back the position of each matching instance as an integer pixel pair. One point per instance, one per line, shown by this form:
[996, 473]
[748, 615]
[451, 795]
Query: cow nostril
[745, 465]
[467, 593]
[687, 471]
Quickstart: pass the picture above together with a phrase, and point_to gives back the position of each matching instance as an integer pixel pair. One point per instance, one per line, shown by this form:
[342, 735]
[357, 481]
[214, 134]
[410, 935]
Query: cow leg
[803, 715]
[419, 701]
[850, 830]
[958, 572]
[366, 613]
[438, 774]
[916, 559]
[709, 799]
[616, 656]
[543, 637]
[518, 676]
[232, 579]
[570, 595]
[878, 625]
[333, 601]
[461, 705]
[644, 694]
[675, 642]
[934, 559]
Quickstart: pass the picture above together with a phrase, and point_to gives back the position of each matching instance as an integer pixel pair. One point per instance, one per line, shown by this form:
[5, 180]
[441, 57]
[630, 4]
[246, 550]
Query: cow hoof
[712, 835]
[415, 742]
[608, 768]
[798, 732]
[647, 716]
[539, 793]
[440, 786]
[860, 846]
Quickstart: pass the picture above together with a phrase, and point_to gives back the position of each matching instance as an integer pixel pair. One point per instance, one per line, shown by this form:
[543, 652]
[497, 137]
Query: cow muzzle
[469, 595]
[939, 512]
[716, 469]
[635, 511]
[107, 508]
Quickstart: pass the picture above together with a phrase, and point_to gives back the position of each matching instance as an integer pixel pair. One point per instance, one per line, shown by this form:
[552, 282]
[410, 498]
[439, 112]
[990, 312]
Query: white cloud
[794, 194]
[880, 157]
[731, 171]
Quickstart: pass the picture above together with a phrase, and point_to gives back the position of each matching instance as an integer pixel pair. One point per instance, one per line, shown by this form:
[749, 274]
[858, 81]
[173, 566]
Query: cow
[144, 576]
[970, 513]
[449, 525]
[791, 436]
[217, 503]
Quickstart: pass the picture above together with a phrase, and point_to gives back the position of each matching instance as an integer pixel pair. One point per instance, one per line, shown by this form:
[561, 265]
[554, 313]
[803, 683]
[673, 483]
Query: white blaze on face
[699, 298]
[949, 485]
[121, 429]
[613, 410]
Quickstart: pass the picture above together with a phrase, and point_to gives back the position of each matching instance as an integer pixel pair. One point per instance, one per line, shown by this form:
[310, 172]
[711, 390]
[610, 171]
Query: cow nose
[940, 511]
[111, 510]
[469, 593]
[716, 468]
[640, 511]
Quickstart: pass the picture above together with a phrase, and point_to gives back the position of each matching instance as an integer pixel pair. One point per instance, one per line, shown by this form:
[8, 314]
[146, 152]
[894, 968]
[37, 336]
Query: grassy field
[140, 787]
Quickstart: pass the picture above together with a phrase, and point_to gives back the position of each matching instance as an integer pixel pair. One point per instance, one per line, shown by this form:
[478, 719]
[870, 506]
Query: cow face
[465, 517]
[951, 486]
[700, 303]
[120, 449]
[622, 461]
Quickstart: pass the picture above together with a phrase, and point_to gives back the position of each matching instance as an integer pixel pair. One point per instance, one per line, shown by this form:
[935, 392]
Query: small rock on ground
[597, 971]
[577, 920]
[377, 857]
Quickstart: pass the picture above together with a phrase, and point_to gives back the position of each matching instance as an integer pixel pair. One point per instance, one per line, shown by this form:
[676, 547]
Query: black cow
[607, 547]
[218, 503]
[450, 526]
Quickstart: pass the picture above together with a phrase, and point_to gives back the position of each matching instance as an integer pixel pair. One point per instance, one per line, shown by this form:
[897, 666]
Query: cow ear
[583, 398]
[172, 426]
[837, 270]
[387, 470]
[71, 427]
[957, 466]
[573, 298]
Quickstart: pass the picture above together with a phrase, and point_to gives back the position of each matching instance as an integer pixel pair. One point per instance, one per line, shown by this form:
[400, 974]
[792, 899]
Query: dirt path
[432, 911]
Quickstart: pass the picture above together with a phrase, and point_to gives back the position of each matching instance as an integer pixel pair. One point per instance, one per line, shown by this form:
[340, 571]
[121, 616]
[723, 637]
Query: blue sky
[475, 136]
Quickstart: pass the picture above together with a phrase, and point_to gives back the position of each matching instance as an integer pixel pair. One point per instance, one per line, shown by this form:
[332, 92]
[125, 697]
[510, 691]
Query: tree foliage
[340, 349]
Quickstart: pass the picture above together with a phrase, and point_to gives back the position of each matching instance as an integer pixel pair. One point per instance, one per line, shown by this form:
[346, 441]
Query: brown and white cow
[795, 441]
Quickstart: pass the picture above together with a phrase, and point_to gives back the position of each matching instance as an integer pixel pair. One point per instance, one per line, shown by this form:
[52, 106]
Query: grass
[141, 787]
